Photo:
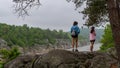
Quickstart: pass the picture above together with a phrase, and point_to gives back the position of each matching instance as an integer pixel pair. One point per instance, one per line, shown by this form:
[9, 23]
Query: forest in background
[30, 36]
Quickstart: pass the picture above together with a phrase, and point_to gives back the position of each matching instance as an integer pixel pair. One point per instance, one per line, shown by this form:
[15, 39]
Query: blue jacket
[76, 28]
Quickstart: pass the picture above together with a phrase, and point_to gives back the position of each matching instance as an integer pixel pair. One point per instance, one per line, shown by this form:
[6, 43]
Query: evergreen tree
[107, 39]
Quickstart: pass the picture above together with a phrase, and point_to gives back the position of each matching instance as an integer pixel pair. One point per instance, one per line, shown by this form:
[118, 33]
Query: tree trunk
[114, 16]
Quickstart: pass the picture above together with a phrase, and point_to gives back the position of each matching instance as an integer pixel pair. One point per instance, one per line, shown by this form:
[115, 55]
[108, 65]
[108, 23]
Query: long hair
[92, 29]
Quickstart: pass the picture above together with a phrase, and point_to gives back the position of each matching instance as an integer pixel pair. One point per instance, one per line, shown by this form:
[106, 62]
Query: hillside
[25, 36]
[30, 36]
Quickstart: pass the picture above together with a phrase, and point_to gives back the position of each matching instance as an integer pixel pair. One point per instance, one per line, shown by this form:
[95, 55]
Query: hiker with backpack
[92, 36]
[75, 30]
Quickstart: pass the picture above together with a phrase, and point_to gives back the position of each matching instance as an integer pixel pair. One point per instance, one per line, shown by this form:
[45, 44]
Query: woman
[92, 38]
[74, 33]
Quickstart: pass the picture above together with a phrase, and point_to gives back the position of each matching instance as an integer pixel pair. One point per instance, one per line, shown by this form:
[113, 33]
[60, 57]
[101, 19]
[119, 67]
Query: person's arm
[71, 29]
[78, 30]
[94, 33]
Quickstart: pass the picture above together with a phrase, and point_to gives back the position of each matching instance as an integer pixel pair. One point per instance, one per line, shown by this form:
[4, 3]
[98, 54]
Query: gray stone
[63, 59]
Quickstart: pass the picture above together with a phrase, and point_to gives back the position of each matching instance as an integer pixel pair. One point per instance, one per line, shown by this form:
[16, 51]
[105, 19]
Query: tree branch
[21, 7]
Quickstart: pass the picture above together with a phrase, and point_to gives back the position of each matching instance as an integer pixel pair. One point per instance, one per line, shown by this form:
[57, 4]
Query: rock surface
[3, 44]
[20, 62]
[63, 59]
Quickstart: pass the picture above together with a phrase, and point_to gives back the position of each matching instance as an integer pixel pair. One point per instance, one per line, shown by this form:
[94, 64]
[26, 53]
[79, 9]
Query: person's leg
[73, 43]
[91, 46]
[76, 40]
[76, 43]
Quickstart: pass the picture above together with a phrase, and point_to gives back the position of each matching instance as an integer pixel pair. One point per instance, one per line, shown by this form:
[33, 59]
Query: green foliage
[95, 11]
[1, 64]
[9, 54]
[107, 39]
[29, 36]
[25, 36]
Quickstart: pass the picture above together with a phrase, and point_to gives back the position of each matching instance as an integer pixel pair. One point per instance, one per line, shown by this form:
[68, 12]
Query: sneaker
[76, 50]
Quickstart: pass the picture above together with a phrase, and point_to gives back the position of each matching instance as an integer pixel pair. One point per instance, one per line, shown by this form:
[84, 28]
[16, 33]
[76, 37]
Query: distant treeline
[30, 36]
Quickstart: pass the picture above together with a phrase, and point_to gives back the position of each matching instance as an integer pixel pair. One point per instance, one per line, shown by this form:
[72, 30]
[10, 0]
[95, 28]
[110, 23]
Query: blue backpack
[74, 31]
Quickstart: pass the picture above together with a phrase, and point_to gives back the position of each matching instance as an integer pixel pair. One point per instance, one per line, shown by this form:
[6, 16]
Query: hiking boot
[76, 50]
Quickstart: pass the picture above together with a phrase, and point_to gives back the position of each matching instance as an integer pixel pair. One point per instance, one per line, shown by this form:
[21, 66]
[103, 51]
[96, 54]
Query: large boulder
[63, 59]
[67, 59]
[20, 62]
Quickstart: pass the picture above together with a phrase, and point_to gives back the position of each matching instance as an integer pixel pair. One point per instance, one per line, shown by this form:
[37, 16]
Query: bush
[9, 54]
[1, 64]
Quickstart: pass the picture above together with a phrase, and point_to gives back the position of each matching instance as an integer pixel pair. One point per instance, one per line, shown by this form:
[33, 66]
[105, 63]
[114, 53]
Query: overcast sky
[53, 14]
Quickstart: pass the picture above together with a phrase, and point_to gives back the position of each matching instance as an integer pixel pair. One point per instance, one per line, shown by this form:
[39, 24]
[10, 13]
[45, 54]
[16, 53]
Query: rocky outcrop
[20, 62]
[66, 59]
[63, 59]
[3, 44]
